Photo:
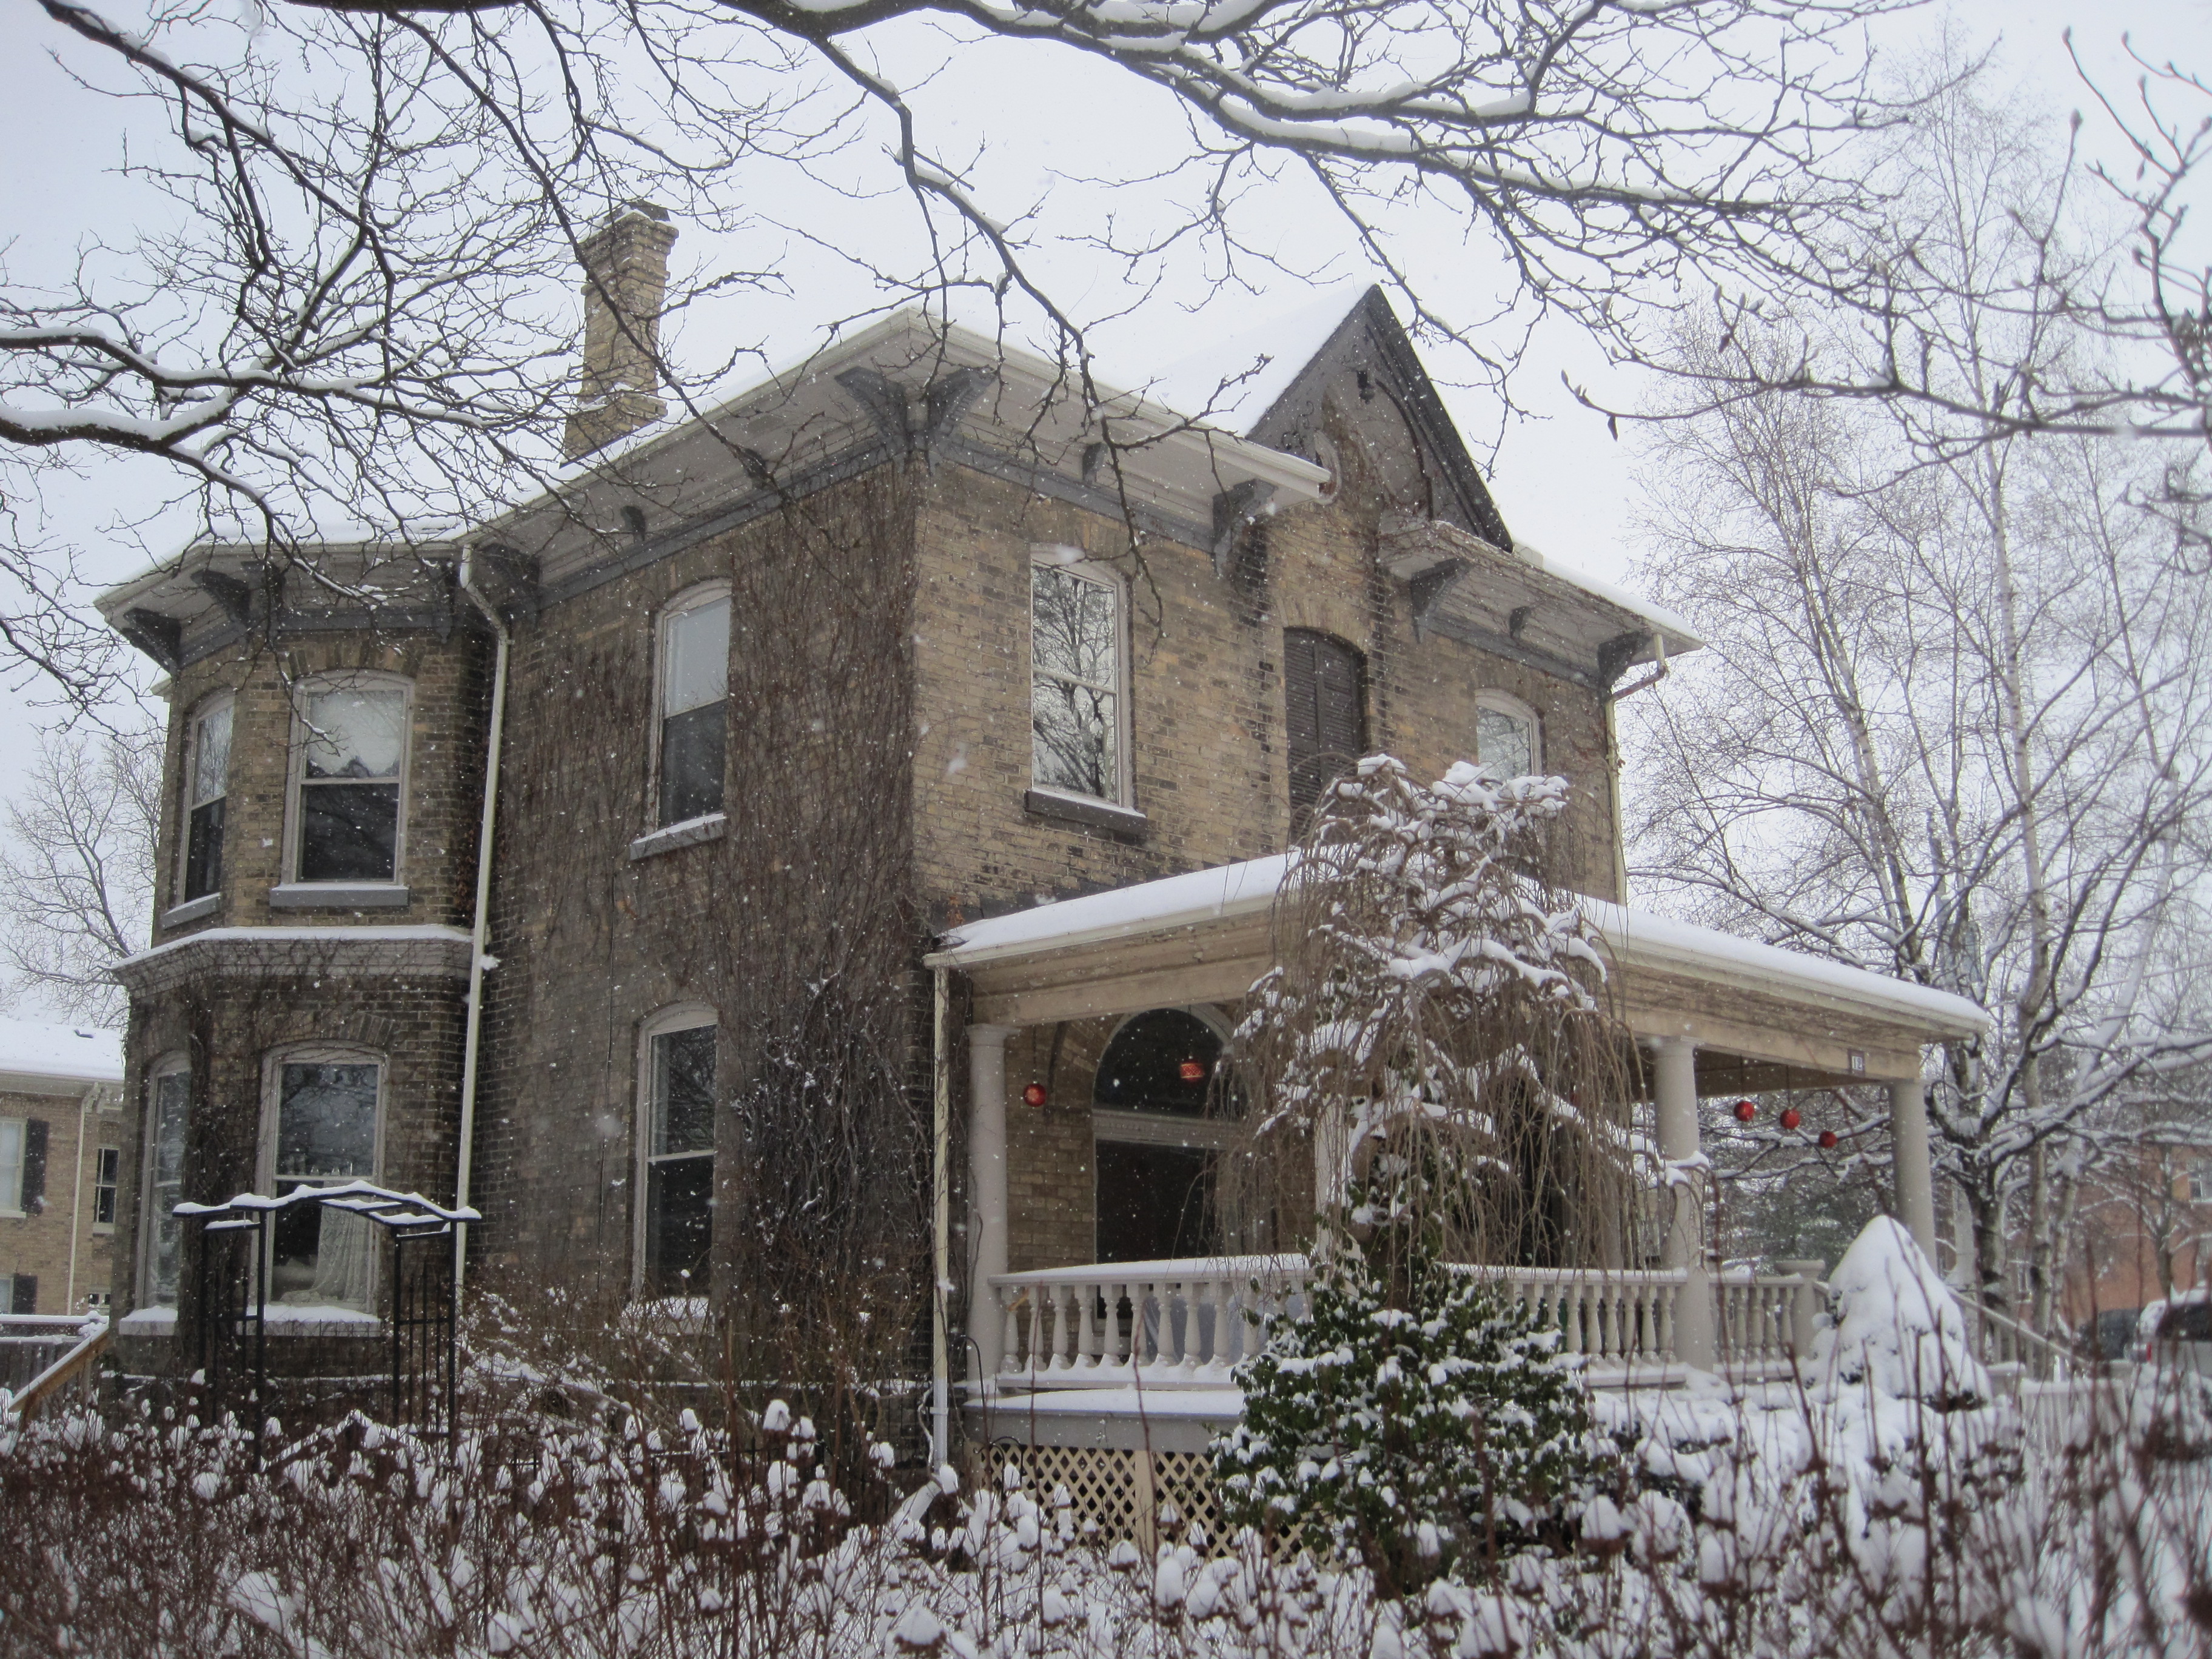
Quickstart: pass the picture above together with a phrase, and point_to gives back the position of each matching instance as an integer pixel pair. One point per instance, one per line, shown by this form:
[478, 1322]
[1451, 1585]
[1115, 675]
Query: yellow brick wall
[40, 1245]
[1206, 721]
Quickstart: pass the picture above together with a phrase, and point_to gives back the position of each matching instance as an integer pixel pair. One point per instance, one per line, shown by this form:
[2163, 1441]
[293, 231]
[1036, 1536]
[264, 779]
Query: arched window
[1160, 1062]
[1509, 738]
[349, 778]
[206, 791]
[693, 694]
[676, 1151]
[1325, 711]
[1154, 1146]
[168, 1113]
[324, 1124]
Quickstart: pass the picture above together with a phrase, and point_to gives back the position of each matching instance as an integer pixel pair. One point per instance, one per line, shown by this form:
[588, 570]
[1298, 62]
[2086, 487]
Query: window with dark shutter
[1325, 724]
[35, 1166]
[25, 1297]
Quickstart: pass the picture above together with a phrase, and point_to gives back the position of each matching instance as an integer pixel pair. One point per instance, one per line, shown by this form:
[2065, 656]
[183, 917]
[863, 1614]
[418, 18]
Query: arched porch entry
[1155, 1147]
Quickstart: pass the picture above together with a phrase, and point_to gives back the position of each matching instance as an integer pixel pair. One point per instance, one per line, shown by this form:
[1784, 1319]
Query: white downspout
[472, 1045]
[940, 1376]
[76, 1201]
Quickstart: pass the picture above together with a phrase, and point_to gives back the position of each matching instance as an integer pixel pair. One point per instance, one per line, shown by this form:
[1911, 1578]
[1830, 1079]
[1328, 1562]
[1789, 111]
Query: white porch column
[1908, 1153]
[1674, 1084]
[987, 1187]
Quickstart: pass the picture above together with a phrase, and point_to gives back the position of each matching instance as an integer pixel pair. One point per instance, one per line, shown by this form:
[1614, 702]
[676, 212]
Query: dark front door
[1154, 1203]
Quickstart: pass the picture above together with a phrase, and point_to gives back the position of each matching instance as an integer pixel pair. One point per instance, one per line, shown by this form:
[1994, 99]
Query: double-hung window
[1076, 692]
[172, 1105]
[207, 789]
[695, 708]
[325, 1134]
[106, 1172]
[353, 754]
[679, 1158]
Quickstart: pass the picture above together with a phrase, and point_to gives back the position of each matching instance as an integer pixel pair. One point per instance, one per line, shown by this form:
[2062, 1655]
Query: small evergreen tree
[1410, 1418]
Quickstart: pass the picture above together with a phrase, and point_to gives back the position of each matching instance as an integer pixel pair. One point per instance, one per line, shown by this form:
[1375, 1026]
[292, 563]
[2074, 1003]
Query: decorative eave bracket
[1242, 504]
[944, 402]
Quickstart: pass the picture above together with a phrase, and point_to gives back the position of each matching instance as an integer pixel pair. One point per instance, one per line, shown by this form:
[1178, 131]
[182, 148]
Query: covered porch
[1072, 1349]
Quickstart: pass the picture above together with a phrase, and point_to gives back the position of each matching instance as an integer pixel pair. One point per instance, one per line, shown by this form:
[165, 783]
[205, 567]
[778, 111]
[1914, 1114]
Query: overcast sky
[1562, 482]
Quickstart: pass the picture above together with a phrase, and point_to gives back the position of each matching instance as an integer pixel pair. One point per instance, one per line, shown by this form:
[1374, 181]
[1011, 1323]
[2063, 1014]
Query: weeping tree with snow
[1439, 993]
[1438, 1080]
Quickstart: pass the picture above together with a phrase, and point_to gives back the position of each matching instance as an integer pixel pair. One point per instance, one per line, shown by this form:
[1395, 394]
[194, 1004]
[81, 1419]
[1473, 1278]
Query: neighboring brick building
[900, 639]
[62, 1131]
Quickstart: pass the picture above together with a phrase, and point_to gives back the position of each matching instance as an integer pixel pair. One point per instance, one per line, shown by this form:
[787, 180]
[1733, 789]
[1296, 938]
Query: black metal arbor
[411, 1294]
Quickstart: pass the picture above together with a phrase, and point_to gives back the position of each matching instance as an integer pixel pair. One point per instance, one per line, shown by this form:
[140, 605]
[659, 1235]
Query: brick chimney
[625, 281]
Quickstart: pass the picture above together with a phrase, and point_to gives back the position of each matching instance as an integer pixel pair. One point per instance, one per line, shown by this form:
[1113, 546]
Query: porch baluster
[1010, 1298]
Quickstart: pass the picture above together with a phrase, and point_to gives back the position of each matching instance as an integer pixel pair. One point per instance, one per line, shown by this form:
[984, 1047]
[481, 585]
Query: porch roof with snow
[1760, 1017]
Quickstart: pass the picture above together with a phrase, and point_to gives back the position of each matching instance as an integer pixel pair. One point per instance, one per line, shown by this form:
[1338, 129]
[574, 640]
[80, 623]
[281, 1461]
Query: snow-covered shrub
[1897, 1326]
[1407, 1419]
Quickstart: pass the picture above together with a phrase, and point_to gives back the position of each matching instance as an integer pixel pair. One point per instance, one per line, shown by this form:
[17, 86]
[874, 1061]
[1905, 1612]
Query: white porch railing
[1185, 1323]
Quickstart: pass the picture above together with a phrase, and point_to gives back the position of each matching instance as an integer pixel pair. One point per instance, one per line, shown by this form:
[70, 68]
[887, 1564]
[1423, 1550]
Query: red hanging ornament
[1192, 1071]
[1791, 1117]
[1745, 1111]
[1828, 1140]
[1033, 1094]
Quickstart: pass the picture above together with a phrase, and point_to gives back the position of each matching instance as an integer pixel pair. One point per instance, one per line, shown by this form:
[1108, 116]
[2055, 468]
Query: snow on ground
[1850, 1510]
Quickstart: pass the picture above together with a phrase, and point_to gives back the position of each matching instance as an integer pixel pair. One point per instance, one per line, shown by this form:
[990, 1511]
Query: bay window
[170, 1111]
[323, 1134]
[349, 784]
[207, 789]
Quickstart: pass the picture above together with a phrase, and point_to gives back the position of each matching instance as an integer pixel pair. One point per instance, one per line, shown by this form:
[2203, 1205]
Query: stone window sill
[337, 895]
[1121, 821]
[191, 910]
[690, 833]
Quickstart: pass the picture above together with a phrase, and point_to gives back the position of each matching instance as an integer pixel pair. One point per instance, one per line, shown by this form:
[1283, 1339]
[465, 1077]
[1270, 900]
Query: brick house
[779, 707]
[61, 1135]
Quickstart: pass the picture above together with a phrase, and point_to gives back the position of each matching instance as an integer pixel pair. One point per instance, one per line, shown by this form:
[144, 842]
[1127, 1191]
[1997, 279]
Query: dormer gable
[1368, 377]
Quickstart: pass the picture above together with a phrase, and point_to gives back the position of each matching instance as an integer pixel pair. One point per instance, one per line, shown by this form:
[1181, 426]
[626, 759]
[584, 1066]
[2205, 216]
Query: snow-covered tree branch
[1954, 730]
[342, 296]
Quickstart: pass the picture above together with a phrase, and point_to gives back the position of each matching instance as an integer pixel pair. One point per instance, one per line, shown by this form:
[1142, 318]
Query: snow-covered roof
[1236, 380]
[1634, 939]
[1223, 893]
[66, 1053]
[1645, 939]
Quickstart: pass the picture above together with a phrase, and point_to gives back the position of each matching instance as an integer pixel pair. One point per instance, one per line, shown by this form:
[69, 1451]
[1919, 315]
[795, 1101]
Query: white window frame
[1504, 702]
[691, 599]
[207, 708]
[114, 1187]
[11, 1188]
[272, 1104]
[664, 1022]
[296, 771]
[169, 1065]
[1072, 561]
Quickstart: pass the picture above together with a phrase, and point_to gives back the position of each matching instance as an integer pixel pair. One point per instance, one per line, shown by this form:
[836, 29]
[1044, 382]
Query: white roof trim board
[1633, 939]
